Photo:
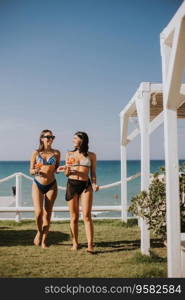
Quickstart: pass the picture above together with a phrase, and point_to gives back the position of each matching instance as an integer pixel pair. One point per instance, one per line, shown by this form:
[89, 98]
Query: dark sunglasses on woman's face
[49, 137]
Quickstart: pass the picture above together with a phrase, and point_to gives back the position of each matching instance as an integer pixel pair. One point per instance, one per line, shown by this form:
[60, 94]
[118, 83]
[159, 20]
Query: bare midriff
[48, 174]
[82, 173]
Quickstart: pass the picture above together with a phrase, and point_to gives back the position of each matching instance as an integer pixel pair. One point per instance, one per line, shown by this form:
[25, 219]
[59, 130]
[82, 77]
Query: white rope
[7, 178]
[109, 185]
[102, 187]
[26, 176]
[133, 176]
[106, 186]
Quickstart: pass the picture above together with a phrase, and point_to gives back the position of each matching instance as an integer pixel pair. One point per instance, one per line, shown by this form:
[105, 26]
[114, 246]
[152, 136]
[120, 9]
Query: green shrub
[151, 205]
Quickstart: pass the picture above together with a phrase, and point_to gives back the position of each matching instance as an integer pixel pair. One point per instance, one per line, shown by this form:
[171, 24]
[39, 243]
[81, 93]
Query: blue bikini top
[51, 161]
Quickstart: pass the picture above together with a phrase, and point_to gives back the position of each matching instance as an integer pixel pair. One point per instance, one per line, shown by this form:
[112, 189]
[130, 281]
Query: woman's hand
[67, 171]
[95, 187]
[36, 171]
[37, 168]
[39, 173]
[61, 169]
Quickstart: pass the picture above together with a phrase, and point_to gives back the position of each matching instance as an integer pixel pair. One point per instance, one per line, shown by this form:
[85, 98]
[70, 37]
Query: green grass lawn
[117, 252]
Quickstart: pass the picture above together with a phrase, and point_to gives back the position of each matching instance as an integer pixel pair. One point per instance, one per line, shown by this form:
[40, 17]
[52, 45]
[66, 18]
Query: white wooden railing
[18, 208]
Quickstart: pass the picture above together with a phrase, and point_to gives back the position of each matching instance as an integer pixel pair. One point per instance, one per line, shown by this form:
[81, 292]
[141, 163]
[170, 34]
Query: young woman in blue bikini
[80, 163]
[44, 163]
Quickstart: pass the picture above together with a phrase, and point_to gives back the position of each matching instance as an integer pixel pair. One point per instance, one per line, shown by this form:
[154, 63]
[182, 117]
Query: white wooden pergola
[172, 41]
[152, 104]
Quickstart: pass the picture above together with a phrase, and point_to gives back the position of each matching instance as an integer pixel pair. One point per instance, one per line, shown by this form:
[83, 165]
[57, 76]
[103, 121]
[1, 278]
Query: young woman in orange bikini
[44, 162]
[79, 163]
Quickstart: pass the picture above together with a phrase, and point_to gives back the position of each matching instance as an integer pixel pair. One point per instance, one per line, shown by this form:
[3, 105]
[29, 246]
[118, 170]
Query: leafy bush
[151, 205]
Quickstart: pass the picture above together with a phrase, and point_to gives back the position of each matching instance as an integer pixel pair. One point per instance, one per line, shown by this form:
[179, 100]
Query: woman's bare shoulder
[34, 154]
[92, 154]
[56, 152]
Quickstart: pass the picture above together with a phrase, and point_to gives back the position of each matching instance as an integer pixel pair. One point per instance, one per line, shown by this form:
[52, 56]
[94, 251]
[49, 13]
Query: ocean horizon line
[152, 159]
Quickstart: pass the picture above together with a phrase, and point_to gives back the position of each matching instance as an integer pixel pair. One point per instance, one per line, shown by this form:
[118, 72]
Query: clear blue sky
[72, 65]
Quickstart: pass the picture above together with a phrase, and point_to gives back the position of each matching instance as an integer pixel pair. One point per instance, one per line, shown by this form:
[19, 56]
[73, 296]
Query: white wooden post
[123, 183]
[183, 254]
[18, 196]
[173, 63]
[143, 105]
[123, 127]
[172, 193]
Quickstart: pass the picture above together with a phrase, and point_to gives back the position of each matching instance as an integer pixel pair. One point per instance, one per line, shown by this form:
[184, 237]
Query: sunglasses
[49, 137]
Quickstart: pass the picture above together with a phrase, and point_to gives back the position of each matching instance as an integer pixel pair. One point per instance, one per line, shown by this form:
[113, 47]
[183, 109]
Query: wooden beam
[143, 111]
[156, 122]
[168, 30]
[124, 128]
[175, 70]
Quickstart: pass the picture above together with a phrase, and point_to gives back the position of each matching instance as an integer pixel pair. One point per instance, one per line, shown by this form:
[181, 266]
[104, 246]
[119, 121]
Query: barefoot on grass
[37, 239]
[75, 247]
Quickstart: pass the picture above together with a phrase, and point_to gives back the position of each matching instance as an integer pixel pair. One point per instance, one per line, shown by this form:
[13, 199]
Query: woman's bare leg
[38, 197]
[74, 216]
[49, 202]
[86, 201]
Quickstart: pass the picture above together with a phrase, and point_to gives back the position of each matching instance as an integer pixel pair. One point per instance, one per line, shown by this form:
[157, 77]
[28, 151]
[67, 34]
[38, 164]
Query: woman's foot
[75, 247]
[44, 246]
[44, 241]
[90, 249]
[37, 239]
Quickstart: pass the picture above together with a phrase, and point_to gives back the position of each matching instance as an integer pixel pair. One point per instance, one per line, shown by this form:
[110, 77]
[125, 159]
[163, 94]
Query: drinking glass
[71, 160]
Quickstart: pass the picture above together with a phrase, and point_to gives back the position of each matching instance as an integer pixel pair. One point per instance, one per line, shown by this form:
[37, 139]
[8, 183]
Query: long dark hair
[84, 147]
[41, 144]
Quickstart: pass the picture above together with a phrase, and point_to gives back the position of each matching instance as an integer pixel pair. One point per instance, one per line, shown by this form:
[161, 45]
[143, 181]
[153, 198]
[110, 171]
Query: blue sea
[108, 171]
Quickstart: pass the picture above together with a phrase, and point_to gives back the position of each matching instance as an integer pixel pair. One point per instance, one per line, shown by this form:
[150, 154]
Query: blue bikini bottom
[44, 188]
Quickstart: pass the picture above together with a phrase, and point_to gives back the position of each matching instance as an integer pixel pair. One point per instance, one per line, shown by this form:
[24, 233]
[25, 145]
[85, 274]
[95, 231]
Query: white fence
[18, 208]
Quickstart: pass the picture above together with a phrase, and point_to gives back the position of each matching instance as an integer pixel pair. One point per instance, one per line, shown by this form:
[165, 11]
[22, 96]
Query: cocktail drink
[71, 160]
[38, 165]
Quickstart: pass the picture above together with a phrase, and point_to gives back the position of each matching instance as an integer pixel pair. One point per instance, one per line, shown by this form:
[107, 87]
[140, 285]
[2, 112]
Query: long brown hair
[84, 147]
[41, 145]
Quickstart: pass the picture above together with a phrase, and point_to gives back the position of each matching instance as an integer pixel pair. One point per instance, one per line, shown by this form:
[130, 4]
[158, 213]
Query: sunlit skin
[46, 176]
[81, 173]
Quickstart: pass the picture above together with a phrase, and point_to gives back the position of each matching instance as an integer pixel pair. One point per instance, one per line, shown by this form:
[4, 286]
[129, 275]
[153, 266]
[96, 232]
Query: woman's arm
[67, 169]
[63, 169]
[58, 159]
[33, 170]
[93, 172]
